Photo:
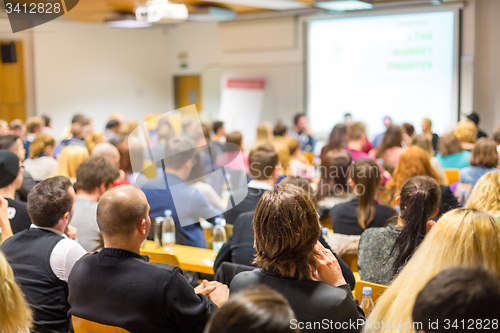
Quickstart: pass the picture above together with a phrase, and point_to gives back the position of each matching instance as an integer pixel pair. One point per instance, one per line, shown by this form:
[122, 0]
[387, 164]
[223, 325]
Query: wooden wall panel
[12, 89]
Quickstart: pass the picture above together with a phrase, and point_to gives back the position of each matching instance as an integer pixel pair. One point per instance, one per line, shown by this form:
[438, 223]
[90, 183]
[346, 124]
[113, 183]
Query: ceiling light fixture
[265, 4]
[344, 5]
[156, 10]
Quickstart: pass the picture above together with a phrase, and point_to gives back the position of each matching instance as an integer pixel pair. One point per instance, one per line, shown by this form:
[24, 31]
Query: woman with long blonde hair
[466, 133]
[264, 132]
[485, 196]
[41, 163]
[415, 162]
[71, 157]
[15, 314]
[463, 237]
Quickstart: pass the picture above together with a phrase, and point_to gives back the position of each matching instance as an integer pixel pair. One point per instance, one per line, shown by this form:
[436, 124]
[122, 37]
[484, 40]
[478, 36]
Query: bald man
[107, 150]
[119, 287]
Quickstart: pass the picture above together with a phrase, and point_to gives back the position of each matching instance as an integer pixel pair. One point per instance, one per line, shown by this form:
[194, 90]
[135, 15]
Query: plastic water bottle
[367, 302]
[168, 231]
[219, 234]
[324, 231]
[463, 195]
[157, 230]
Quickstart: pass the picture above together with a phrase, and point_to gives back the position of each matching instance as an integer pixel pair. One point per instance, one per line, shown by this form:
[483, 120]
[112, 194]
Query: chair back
[452, 174]
[163, 258]
[377, 290]
[351, 260]
[228, 270]
[81, 325]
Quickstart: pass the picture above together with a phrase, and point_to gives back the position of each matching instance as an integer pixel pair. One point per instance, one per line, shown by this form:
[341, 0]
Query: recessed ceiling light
[344, 5]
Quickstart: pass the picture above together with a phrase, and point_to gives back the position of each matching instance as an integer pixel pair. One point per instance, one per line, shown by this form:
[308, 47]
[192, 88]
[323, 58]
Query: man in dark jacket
[111, 286]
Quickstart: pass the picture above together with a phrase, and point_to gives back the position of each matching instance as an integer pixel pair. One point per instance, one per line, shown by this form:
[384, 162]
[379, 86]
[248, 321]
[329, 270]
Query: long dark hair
[393, 138]
[419, 198]
[337, 139]
[366, 175]
[334, 179]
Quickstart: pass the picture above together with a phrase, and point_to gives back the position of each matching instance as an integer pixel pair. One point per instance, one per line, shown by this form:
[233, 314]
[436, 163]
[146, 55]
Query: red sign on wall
[246, 83]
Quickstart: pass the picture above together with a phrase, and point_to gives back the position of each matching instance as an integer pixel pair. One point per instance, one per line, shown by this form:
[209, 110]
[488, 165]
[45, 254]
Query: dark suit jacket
[247, 205]
[312, 301]
[239, 249]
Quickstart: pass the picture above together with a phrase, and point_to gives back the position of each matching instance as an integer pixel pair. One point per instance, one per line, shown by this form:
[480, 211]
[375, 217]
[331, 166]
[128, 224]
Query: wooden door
[12, 93]
[187, 91]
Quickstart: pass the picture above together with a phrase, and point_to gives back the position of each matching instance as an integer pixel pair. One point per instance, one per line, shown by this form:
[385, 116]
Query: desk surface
[190, 258]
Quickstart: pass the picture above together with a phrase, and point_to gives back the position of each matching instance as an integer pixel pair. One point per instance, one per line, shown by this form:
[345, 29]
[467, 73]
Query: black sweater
[120, 288]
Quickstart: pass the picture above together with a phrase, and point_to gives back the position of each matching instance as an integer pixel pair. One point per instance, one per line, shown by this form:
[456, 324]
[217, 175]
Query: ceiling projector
[156, 10]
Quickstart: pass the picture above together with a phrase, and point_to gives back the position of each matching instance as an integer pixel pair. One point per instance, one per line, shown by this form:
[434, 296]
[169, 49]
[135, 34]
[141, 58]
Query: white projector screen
[397, 65]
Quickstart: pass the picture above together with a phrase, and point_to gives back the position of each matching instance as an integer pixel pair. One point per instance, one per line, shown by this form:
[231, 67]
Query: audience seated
[240, 247]
[333, 186]
[119, 287]
[264, 133]
[17, 128]
[11, 178]
[415, 162]
[93, 177]
[107, 150]
[199, 182]
[232, 148]
[14, 143]
[132, 160]
[484, 159]
[113, 132]
[378, 139]
[427, 130]
[293, 262]
[42, 257]
[485, 194]
[356, 138]
[261, 310]
[462, 237]
[474, 119]
[71, 157]
[178, 164]
[391, 147]
[262, 162]
[451, 154]
[300, 131]
[421, 141]
[34, 126]
[299, 165]
[466, 133]
[41, 163]
[15, 314]
[384, 251]
[456, 298]
[94, 139]
[74, 136]
[336, 141]
[4, 127]
[362, 212]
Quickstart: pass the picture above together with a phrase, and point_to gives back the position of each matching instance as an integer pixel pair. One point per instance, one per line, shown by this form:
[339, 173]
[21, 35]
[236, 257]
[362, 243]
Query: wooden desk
[190, 258]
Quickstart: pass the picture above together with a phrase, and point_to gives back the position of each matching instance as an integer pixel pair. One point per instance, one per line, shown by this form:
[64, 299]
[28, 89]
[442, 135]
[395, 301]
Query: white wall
[95, 70]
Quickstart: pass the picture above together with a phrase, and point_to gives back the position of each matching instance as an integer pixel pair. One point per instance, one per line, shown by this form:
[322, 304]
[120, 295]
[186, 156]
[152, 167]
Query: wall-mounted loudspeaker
[9, 54]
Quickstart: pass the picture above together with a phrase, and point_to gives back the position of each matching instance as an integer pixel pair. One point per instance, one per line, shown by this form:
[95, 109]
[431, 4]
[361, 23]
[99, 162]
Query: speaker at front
[9, 54]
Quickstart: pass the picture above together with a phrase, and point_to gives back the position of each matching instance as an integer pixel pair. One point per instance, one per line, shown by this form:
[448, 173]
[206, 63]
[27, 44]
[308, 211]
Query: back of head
[462, 237]
[16, 124]
[9, 168]
[414, 161]
[129, 126]
[393, 138]
[337, 139]
[420, 197]
[466, 132]
[366, 176]
[408, 129]
[120, 210]
[279, 129]
[112, 124]
[34, 123]
[15, 314]
[355, 131]
[297, 117]
[131, 155]
[449, 144]
[264, 131]
[262, 161]
[95, 171]
[334, 179]
[458, 295]
[178, 152]
[49, 200]
[235, 139]
[69, 160]
[286, 227]
[484, 154]
[423, 142]
[484, 196]
[301, 182]
[78, 118]
[216, 126]
[39, 144]
[293, 145]
[258, 310]
[496, 136]
[106, 150]
[9, 142]
[46, 120]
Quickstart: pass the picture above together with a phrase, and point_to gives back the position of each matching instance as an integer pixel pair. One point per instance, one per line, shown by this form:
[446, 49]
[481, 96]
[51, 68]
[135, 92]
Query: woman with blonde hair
[15, 314]
[466, 133]
[264, 132]
[71, 157]
[41, 163]
[427, 130]
[484, 196]
[415, 162]
[94, 139]
[421, 141]
[463, 237]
